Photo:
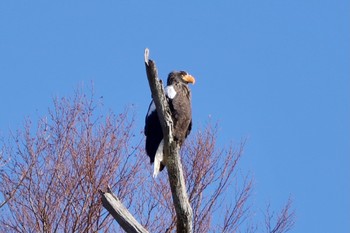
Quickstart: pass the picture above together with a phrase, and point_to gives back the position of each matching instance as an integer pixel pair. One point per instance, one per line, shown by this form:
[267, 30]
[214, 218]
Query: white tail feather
[158, 158]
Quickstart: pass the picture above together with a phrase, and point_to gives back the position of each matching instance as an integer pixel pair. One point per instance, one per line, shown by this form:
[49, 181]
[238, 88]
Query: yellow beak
[189, 78]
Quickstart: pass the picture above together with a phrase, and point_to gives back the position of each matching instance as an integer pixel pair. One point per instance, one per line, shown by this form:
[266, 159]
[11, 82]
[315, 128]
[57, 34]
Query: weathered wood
[171, 150]
[116, 208]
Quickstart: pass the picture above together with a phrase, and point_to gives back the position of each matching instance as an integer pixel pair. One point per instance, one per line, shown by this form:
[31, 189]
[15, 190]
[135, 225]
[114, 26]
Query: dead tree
[50, 176]
[171, 159]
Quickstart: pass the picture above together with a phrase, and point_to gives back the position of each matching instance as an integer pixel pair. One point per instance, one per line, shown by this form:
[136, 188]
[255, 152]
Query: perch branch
[171, 150]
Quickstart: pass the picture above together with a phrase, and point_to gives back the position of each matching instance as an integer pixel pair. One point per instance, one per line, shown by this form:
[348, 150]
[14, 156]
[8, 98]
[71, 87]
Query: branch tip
[146, 55]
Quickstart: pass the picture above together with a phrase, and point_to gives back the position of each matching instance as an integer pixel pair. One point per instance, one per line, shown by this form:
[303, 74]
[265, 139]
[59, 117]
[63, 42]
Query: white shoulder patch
[170, 91]
[152, 107]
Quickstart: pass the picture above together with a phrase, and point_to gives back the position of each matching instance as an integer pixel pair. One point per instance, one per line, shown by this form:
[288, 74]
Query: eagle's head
[180, 77]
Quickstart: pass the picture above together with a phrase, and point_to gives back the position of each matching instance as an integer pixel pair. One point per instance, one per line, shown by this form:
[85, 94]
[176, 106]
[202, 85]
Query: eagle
[179, 99]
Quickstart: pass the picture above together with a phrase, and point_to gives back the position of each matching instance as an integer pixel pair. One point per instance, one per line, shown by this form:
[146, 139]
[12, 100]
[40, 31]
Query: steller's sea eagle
[179, 98]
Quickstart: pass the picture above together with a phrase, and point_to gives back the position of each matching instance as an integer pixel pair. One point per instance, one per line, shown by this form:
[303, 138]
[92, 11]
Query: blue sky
[274, 72]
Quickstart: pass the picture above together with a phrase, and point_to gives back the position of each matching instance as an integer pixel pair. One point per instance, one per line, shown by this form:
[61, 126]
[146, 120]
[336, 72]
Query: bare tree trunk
[172, 161]
[171, 150]
[120, 213]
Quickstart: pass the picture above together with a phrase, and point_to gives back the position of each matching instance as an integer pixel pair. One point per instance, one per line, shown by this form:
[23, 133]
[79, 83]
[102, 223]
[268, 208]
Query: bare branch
[14, 190]
[284, 221]
[120, 213]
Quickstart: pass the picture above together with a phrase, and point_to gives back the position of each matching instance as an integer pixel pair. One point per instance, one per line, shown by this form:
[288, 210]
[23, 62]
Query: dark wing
[148, 121]
[153, 131]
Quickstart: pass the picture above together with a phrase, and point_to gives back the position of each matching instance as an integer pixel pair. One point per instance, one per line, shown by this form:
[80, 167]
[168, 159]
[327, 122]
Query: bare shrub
[51, 171]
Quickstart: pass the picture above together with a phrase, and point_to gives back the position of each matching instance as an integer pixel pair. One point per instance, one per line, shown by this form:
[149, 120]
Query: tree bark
[171, 150]
[116, 208]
